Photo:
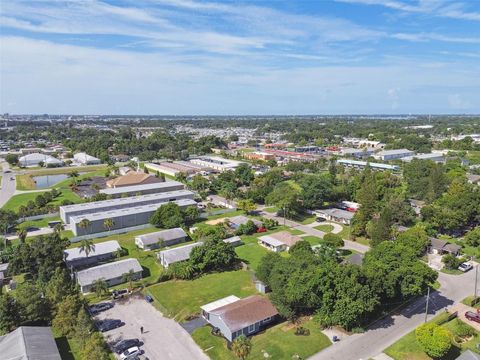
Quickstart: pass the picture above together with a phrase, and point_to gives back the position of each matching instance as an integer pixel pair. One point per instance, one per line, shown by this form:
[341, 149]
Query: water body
[45, 181]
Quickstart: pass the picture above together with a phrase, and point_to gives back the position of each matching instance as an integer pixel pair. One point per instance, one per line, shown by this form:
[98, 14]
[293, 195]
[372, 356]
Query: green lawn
[324, 227]
[179, 298]
[37, 223]
[295, 231]
[279, 342]
[65, 170]
[22, 199]
[66, 183]
[25, 182]
[451, 271]
[407, 347]
[313, 240]
[271, 210]
[468, 301]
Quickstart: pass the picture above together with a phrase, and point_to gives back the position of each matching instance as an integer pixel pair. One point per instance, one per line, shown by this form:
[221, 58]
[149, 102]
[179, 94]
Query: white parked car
[131, 353]
[465, 267]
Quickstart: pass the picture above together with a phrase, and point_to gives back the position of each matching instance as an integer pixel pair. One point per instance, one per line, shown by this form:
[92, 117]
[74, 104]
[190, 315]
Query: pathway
[9, 184]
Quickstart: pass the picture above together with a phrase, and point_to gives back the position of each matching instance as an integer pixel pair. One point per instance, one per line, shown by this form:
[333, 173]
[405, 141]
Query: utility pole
[426, 306]
[475, 291]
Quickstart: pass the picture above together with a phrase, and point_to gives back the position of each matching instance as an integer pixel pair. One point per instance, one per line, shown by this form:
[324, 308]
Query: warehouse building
[435, 157]
[112, 273]
[137, 190]
[216, 163]
[36, 158]
[174, 168]
[76, 257]
[363, 164]
[165, 237]
[122, 218]
[66, 212]
[386, 155]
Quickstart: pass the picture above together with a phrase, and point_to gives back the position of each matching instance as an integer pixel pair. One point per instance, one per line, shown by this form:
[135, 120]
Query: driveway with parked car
[162, 338]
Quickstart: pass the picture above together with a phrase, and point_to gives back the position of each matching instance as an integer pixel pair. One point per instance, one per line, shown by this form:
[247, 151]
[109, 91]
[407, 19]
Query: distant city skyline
[186, 57]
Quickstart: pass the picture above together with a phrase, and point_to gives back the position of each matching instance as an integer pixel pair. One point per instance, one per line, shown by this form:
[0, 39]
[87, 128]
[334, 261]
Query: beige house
[133, 178]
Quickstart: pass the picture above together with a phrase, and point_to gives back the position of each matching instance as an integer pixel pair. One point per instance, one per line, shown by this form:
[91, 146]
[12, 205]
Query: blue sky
[240, 57]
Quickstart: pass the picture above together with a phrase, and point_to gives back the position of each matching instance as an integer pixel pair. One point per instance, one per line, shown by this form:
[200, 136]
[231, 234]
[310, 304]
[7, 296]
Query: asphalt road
[386, 331]
[8, 186]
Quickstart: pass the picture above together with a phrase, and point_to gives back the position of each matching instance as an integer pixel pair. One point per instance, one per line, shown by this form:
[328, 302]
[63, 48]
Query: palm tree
[100, 287]
[87, 246]
[22, 235]
[74, 175]
[109, 224]
[57, 229]
[130, 278]
[241, 347]
[84, 224]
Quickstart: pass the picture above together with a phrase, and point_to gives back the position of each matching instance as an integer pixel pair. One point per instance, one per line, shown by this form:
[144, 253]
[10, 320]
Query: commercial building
[436, 157]
[357, 153]
[77, 257]
[133, 178]
[362, 164]
[175, 255]
[166, 237]
[143, 189]
[235, 317]
[259, 155]
[85, 159]
[216, 163]
[175, 168]
[67, 211]
[29, 343]
[112, 273]
[387, 155]
[122, 218]
[35, 159]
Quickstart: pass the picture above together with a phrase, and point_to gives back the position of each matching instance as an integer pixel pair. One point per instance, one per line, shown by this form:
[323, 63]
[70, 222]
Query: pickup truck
[472, 316]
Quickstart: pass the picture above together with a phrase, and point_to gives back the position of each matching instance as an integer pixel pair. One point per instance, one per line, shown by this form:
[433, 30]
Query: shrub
[333, 240]
[269, 224]
[462, 330]
[301, 331]
[451, 261]
[433, 339]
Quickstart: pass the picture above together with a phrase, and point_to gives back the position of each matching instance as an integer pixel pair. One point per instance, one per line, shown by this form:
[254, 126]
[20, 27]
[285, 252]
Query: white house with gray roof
[166, 237]
[112, 273]
[172, 256]
[29, 343]
[76, 257]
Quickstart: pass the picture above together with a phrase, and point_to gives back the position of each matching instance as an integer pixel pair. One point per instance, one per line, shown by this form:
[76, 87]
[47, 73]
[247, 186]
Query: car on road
[472, 316]
[97, 308]
[126, 344]
[108, 324]
[148, 298]
[131, 353]
[118, 294]
[465, 266]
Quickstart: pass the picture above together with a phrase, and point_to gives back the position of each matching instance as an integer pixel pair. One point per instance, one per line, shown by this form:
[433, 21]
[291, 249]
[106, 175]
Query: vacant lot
[22, 199]
[180, 299]
[277, 342]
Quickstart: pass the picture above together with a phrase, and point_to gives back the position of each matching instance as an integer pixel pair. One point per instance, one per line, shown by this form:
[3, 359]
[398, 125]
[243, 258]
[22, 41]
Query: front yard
[407, 348]
[180, 299]
[277, 342]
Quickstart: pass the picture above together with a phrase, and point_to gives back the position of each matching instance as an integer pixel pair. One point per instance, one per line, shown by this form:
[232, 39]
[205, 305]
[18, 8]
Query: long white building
[143, 189]
[216, 163]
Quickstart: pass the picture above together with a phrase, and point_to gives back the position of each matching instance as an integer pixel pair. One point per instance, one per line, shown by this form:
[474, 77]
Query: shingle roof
[242, 313]
[281, 238]
[242, 220]
[107, 271]
[132, 178]
[29, 343]
[166, 235]
[102, 248]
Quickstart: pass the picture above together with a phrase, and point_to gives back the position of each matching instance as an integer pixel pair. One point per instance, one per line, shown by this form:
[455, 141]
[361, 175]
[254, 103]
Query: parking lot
[163, 338]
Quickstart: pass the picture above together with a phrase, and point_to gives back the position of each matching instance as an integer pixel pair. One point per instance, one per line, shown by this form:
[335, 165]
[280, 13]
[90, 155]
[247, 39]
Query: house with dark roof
[236, 221]
[29, 343]
[441, 247]
[234, 317]
[165, 237]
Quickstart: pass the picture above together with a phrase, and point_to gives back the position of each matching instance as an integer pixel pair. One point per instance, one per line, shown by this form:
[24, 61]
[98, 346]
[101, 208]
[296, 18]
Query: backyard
[180, 299]
[277, 342]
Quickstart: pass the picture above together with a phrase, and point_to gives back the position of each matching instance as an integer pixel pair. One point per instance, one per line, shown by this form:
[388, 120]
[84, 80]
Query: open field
[65, 170]
[180, 299]
[22, 199]
[278, 341]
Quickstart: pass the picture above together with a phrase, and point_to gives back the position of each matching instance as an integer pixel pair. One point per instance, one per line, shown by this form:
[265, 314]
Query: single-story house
[236, 221]
[336, 215]
[473, 179]
[76, 257]
[167, 237]
[441, 247]
[133, 178]
[280, 241]
[172, 256]
[112, 273]
[234, 241]
[29, 342]
[234, 317]
[85, 159]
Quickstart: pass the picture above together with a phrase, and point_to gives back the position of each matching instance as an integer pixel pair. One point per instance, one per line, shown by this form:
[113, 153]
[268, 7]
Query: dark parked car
[126, 344]
[472, 316]
[148, 298]
[108, 324]
[97, 308]
[118, 294]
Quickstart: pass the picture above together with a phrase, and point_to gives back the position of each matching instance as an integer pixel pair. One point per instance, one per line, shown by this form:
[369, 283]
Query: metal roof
[102, 248]
[219, 303]
[339, 213]
[177, 254]
[365, 163]
[394, 152]
[172, 185]
[107, 271]
[166, 235]
[29, 343]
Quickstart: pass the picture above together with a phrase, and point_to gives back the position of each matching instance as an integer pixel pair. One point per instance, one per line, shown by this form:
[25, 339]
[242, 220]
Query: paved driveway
[461, 309]
[163, 338]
